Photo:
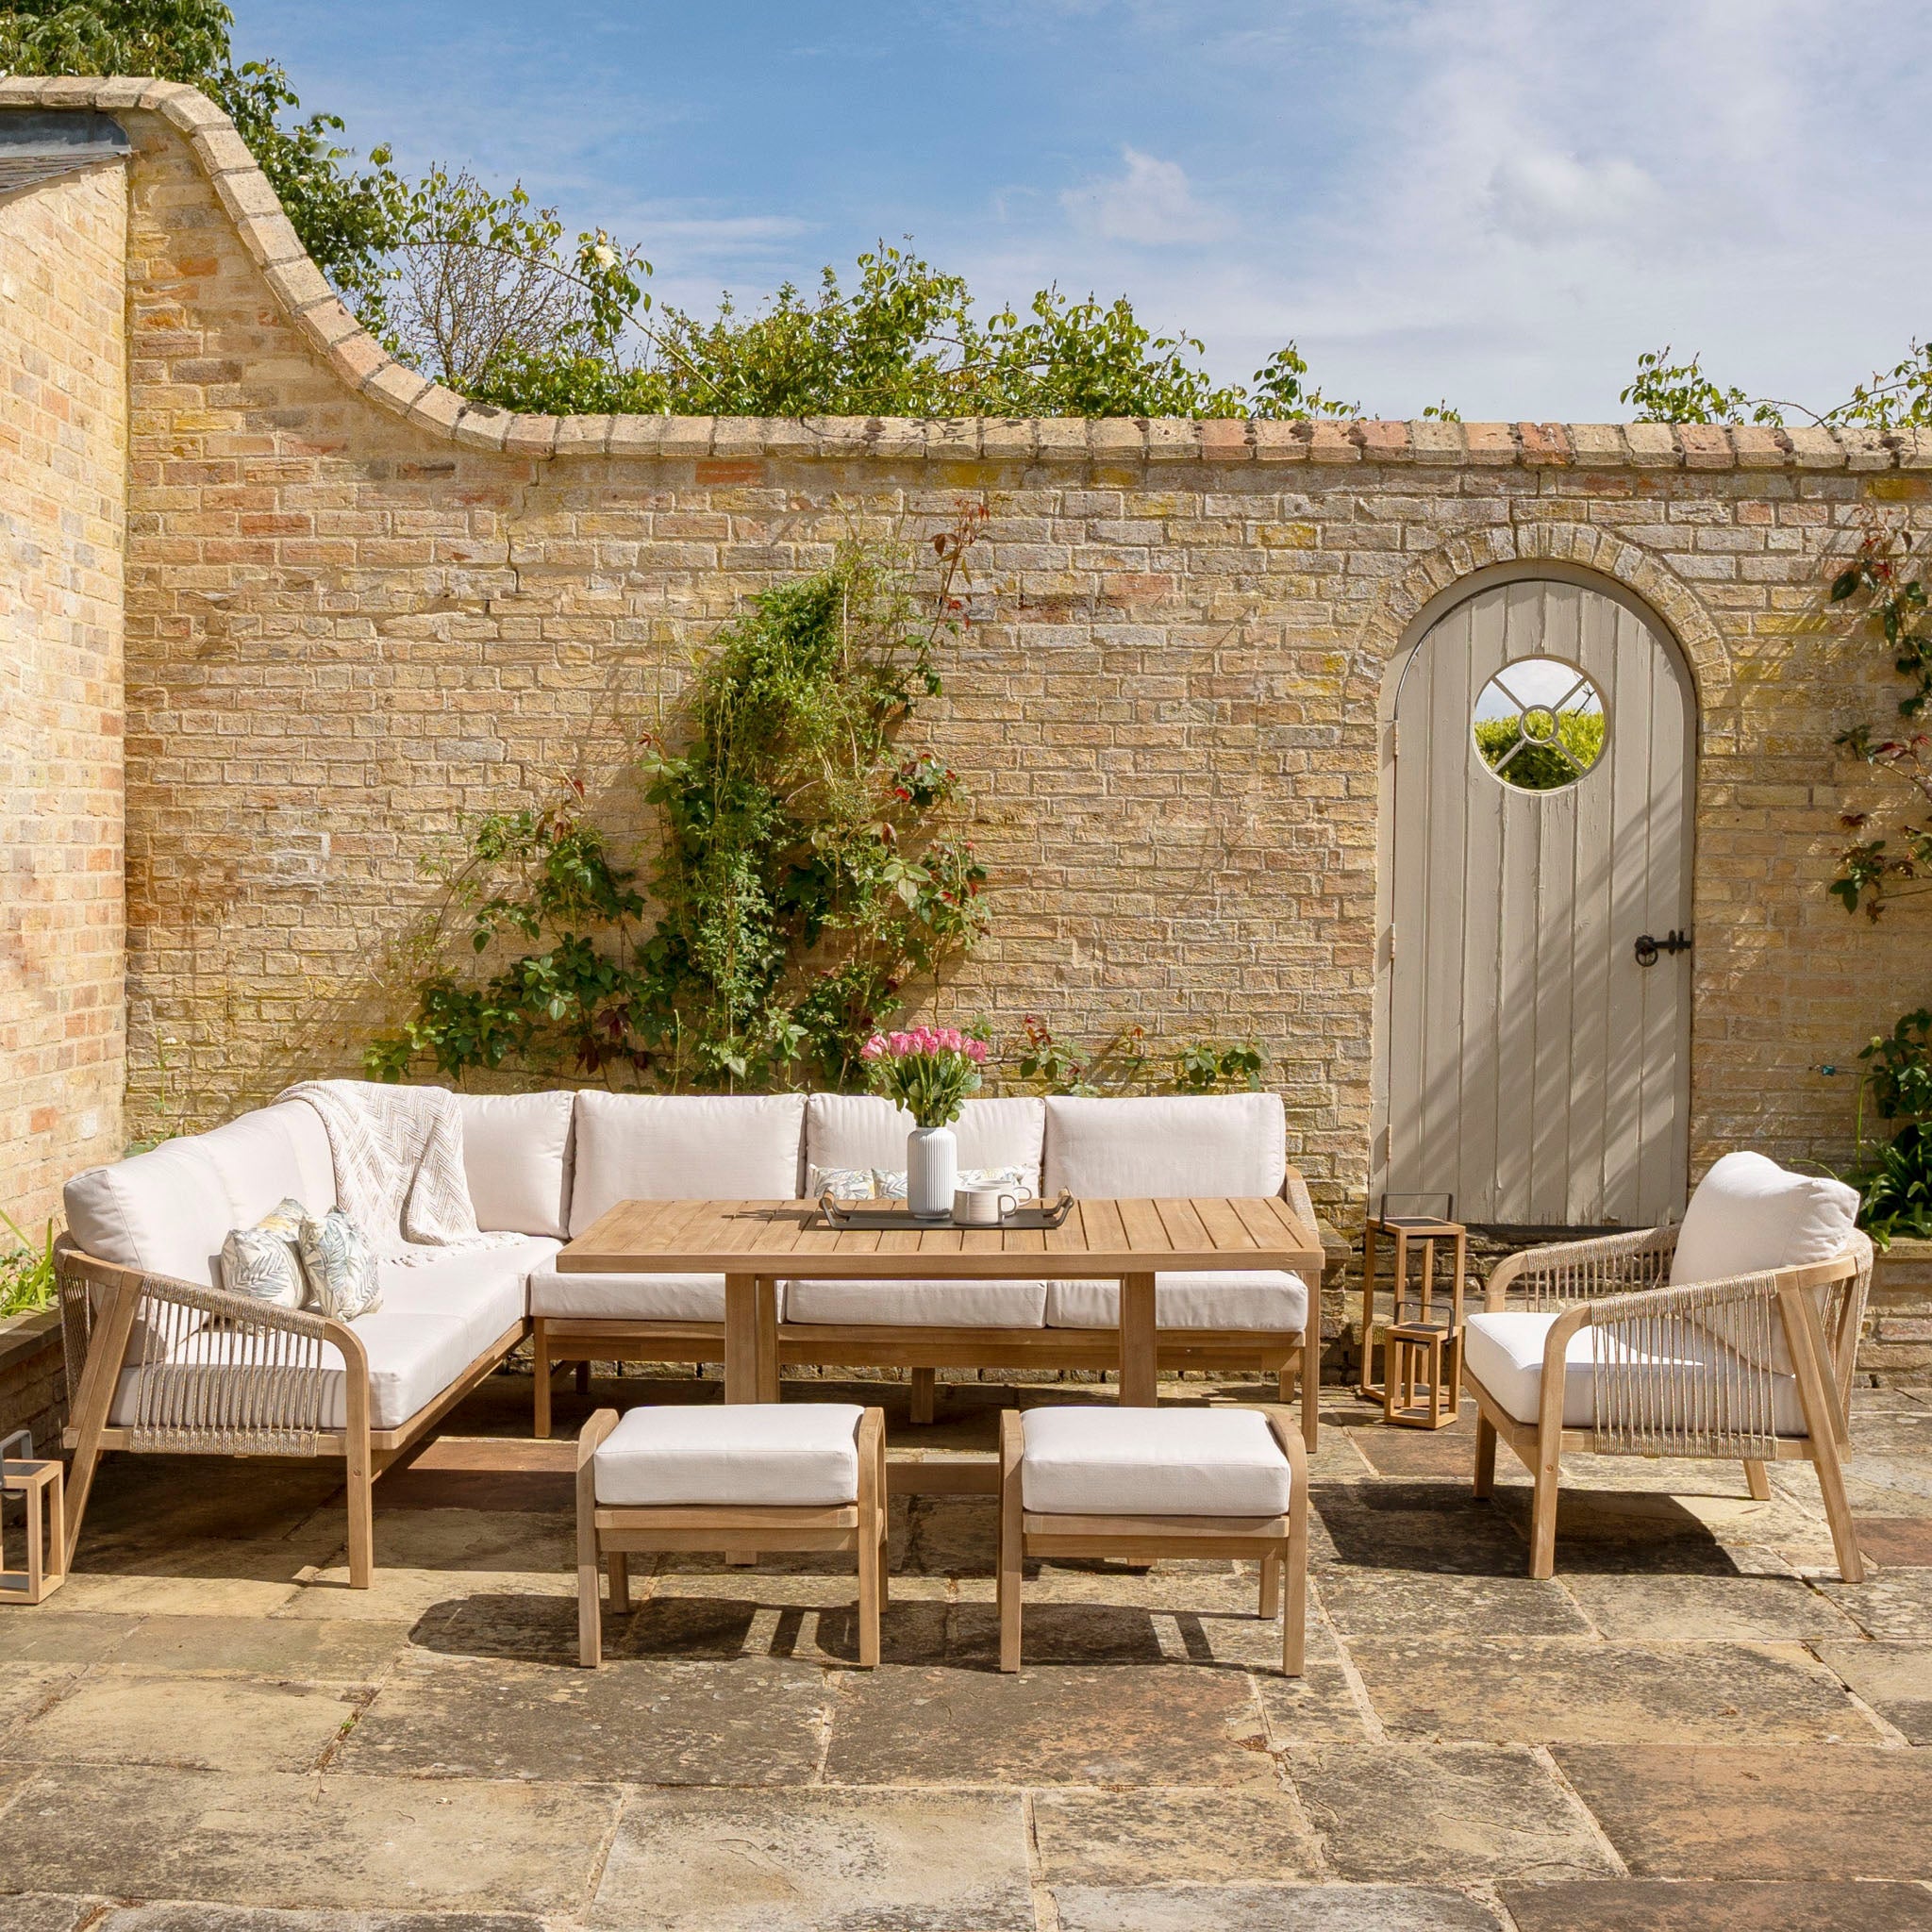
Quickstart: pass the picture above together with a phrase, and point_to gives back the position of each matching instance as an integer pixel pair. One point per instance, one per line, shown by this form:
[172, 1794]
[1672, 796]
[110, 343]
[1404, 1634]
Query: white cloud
[1540, 196]
[1150, 204]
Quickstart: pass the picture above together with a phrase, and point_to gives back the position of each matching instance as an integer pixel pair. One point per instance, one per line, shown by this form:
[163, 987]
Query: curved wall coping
[364, 366]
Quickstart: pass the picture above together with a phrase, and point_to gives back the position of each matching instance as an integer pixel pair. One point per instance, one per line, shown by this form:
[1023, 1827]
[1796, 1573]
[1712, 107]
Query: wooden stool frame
[1280, 1542]
[39, 1481]
[609, 1535]
[1410, 1231]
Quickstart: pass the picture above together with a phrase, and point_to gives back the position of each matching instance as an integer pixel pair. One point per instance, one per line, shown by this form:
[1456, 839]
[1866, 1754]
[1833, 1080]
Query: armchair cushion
[1504, 1351]
[1109, 1461]
[1253, 1298]
[1178, 1145]
[1749, 1214]
[685, 1147]
[516, 1158]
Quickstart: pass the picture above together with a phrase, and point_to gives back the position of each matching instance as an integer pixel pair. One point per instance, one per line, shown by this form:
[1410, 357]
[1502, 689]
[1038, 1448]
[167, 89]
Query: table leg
[740, 1338]
[768, 1339]
[1365, 1383]
[1140, 1365]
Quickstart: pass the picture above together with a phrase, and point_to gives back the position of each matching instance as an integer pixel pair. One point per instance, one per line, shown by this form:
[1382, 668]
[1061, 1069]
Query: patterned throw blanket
[398, 1153]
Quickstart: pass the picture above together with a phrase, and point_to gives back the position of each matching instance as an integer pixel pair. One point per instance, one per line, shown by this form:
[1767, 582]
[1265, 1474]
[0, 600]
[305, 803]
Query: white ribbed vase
[932, 1171]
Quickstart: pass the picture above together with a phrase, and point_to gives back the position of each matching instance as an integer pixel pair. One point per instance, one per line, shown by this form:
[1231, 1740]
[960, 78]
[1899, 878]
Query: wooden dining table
[756, 1244]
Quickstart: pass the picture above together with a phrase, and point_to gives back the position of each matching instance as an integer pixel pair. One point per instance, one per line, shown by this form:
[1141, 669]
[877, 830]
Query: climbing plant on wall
[806, 868]
[1894, 860]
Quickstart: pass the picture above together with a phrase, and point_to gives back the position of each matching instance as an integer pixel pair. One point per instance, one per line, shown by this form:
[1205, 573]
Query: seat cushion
[1110, 1461]
[1168, 1145]
[516, 1157]
[1504, 1352]
[434, 1321]
[1229, 1298]
[862, 1131]
[918, 1304]
[795, 1452]
[685, 1147]
[629, 1297]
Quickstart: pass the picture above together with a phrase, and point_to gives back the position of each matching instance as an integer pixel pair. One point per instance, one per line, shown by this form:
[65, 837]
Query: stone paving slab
[818, 1861]
[750, 1722]
[1176, 1723]
[1701, 1609]
[1892, 1604]
[1215, 1836]
[204, 1918]
[1443, 1813]
[1580, 1691]
[307, 1842]
[1395, 1603]
[42, 1911]
[1271, 1908]
[1651, 1905]
[1676, 1811]
[313, 1650]
[206, 1724]
[1895, 1680]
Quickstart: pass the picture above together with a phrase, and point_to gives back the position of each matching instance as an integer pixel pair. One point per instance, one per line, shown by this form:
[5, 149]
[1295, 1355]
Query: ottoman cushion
[799, 1454]
[1152, 1462]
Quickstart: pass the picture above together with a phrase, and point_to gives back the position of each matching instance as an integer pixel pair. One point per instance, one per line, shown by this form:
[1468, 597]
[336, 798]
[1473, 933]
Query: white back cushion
[1749, 1214]
[861, 1130]
[169, 1211]
[1167, 1145]
[685, 1147]
[516, 1158]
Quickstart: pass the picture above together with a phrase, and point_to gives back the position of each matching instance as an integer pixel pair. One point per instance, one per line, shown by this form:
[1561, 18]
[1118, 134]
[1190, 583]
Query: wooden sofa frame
[612, 1534]
[270, 1404]
[1279, 1543]
[1619, 1281]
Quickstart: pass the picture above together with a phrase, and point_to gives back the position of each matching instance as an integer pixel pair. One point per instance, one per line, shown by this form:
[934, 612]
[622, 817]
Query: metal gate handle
[1673, 943]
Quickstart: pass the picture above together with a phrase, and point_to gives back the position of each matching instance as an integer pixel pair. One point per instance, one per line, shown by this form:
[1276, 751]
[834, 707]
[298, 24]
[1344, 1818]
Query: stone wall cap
[250, 205]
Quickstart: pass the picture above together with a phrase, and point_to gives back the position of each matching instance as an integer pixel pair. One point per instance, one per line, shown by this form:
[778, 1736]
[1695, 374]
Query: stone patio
[1691, 1726]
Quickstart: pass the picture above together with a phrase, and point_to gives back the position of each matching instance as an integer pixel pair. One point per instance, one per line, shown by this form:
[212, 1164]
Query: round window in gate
[1540, 723]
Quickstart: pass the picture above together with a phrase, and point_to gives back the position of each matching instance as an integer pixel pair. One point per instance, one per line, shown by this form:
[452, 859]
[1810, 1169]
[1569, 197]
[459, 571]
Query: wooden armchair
[1602, 1356]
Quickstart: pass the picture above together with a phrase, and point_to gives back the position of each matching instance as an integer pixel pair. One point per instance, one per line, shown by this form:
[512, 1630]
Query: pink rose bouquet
[928, 1071]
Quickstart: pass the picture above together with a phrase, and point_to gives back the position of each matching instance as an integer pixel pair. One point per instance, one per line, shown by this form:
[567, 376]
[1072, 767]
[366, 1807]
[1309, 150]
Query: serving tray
[895, 1214]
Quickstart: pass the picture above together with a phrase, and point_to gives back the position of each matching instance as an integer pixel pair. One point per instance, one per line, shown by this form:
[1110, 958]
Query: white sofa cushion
[629, 1297]
[1171, 1146]
[1111, 1461]
[746, 1453]
[169, 1211]
[685, 1147]
[1264, 1298]
[516, 1158]
[918, 1304]
[1504, 1351]
[435, 1320]
[862, 1131]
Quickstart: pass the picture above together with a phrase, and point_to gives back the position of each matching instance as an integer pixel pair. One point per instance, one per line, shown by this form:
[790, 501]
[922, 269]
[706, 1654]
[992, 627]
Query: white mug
[982, 1206]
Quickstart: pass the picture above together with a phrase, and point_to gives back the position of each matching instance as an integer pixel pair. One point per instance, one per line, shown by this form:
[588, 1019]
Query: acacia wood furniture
[609, 1534]
[756, 1244]
[1415, 1238]
[1422, 1374]
[1278, 1540]
[1695, 1370]
[37, 1480]
[272, 1393]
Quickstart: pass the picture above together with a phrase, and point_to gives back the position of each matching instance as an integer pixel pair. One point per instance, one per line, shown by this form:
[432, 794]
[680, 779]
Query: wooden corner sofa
[162, 1359]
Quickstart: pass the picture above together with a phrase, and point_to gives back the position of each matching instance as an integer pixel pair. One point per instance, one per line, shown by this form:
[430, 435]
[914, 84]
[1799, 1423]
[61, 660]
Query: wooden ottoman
[1139, 1483]
[739, 1478]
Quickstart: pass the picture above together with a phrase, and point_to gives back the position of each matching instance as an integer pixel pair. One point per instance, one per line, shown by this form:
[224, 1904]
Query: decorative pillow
[843, 1183]
[265, 1260]
[340, 1267]
[890, 1182]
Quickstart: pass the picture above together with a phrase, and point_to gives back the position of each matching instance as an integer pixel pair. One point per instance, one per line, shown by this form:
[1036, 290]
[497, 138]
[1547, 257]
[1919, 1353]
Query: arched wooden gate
[1533, 978]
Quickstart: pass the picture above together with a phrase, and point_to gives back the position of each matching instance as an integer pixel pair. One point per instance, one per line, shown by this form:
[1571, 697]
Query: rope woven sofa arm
[1566, 1272]
[213, 1372]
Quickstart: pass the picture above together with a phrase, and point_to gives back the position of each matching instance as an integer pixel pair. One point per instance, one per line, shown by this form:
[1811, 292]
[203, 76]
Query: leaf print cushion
[340, 1267]
[265, 1261]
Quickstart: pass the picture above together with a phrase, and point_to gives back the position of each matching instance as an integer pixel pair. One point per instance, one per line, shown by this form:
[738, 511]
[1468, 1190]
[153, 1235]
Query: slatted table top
[1098, 1239]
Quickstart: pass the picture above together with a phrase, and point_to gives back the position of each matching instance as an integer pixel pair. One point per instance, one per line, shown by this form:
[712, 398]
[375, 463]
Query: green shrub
[27, 1272]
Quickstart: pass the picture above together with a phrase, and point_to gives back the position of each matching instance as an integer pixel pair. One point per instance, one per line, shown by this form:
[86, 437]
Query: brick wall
[358, 609]
[62, 484]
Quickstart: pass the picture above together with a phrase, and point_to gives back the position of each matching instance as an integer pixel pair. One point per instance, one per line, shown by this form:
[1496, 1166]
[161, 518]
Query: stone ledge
[362, 365]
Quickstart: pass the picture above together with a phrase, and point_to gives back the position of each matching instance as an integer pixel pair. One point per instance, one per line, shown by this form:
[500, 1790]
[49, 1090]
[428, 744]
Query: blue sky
[1499, 202]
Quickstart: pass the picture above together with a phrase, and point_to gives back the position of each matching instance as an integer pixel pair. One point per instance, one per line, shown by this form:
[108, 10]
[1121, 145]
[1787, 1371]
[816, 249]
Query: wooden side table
[39, 1480]
[1416, 1305]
